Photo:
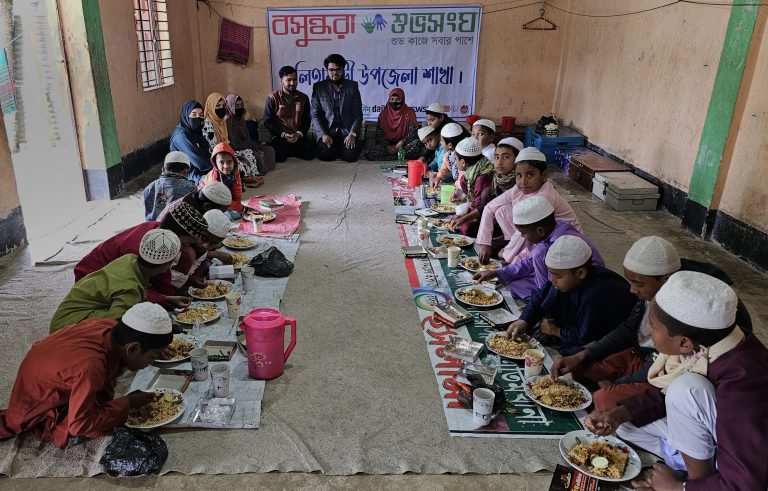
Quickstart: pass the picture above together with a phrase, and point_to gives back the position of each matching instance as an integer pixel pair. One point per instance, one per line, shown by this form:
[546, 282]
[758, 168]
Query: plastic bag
[134, 453]
[476, 382]
[271, 263]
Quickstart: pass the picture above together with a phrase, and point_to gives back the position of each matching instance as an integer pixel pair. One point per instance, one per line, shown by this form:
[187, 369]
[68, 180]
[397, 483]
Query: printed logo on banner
[429, 52]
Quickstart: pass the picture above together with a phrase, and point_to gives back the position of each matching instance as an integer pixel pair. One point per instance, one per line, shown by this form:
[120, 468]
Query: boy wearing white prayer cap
[473, 185]
[214, 196]
[483, 130]
[110, 291]
[436, 119]
[531, 179]
[618, 363]
[194, 263]
[64, 387]
[580, 303]
[535, 219]
[170, 186]
[705, 413]
[450, 136]
[433, 152]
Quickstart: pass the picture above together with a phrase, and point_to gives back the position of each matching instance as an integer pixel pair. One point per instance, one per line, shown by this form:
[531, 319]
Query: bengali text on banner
[429, 52]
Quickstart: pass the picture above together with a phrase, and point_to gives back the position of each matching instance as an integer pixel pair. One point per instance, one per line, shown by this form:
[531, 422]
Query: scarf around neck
[502, 183]
[667, 368]
[481, 167]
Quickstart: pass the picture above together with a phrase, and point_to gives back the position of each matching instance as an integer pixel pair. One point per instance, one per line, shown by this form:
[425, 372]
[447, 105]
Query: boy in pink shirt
[531, 180]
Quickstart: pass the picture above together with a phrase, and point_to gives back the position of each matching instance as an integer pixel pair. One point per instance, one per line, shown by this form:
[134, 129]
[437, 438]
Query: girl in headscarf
[240, 138]
[397, 128]
[215, 131]
[188, 137]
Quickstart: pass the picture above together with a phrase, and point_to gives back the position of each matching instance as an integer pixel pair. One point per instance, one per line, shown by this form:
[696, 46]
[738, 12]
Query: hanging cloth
[234, 42]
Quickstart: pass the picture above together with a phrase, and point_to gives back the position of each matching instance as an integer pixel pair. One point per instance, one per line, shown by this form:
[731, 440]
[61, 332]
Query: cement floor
[613, 232]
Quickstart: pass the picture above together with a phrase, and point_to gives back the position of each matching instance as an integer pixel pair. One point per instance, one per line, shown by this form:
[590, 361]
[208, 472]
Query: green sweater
[106, 293]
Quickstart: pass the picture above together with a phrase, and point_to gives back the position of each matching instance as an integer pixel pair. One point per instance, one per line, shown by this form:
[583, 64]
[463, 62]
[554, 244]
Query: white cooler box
[625, 191]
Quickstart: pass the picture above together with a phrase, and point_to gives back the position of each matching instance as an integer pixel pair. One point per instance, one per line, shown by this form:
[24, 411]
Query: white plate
[568, 441]
[433, 223]
[462, 263]
[239, 248]
[197, 304]
[267, 215]
[181, 336]
[445, 209]
[171, 419]
[237, 268]
[469, 240]
[584, 392]
[499, 298]
[426, 212]
[532, 344]
[192, 290]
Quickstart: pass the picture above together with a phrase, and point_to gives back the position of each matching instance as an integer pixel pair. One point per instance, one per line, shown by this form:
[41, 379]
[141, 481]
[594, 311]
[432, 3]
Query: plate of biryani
[265, 216]
[198, 312]
[239, 260]
[439, 223]
[237, 242]
[166, 408]
[444, 209]
[514, 349]
[603, 457]
[473, 264]
[179, 349]
[213, 290]
[559, 395]
[479, 296]
[455, 240]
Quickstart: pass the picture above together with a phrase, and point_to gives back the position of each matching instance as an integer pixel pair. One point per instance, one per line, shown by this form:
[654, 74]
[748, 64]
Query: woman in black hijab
[188, 137]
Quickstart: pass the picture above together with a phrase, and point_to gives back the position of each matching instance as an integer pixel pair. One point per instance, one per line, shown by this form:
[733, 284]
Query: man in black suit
[337, 113]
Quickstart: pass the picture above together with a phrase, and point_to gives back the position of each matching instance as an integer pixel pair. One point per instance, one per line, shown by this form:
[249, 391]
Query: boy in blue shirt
[170, 186]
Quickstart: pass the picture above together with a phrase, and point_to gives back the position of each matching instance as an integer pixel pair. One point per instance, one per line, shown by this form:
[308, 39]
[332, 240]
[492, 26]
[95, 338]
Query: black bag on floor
[271, 263]
[134, 453]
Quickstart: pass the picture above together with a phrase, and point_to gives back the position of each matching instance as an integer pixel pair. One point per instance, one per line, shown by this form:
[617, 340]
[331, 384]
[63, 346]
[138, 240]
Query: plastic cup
[453, 256]
[421, 223]
[199, 359]
[220, 380]
[246, 273]
[534, 361]
[257, 225]
[482, 406]
[233, 304]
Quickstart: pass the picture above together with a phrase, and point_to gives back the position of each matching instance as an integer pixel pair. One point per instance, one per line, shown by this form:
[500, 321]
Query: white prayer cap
[485, 122]
[469, 147]
[436, 107]
[218, 223]
[425, 131]
[568, 252]
[698, 300]
[149, 318]
[652, 256]
[451, 130]
[177, 156]
[530, 153]
[531, 210]
[218, 192]
[159, 246]
[512, 142]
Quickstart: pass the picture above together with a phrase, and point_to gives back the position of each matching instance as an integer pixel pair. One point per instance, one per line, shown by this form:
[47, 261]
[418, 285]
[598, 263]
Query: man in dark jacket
[286, 116]
[337, 113]
[618, 363]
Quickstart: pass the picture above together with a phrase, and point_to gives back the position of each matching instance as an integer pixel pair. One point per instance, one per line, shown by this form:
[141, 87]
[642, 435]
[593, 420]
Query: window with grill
[154, 43]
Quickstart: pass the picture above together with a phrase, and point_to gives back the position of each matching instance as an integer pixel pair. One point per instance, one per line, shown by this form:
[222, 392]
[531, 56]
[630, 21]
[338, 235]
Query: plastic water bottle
[401, 156]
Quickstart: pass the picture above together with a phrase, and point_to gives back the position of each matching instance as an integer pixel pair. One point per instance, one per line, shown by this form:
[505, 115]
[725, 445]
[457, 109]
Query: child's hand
[178, 302]
[516, 329]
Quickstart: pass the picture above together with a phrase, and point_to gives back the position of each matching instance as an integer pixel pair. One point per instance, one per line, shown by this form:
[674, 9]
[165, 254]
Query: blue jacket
[586, 313]
[351, 108]
[169, 187]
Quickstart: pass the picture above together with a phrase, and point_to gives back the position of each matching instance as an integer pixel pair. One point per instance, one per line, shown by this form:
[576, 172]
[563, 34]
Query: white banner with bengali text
[429, 52]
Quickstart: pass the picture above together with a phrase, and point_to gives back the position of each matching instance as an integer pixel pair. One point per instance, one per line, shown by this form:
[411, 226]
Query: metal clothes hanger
[549, 26]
